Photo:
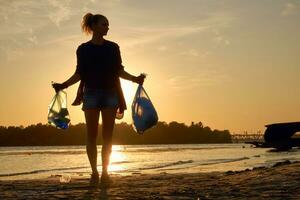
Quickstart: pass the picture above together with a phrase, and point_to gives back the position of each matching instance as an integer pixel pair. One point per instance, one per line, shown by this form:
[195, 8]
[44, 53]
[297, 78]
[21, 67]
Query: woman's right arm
[72, 80]
[76, 76]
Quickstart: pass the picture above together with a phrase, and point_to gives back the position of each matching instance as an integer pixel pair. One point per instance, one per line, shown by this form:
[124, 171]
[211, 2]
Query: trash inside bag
[144, 115]
[58, 114]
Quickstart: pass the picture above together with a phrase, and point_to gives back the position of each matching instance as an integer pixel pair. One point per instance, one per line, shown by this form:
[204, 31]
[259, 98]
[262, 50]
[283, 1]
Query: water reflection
[117, 159]
[42, 162]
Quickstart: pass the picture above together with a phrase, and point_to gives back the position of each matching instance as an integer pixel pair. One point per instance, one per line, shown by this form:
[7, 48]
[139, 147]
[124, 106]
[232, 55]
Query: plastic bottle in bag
[144, 115]
[58, 114]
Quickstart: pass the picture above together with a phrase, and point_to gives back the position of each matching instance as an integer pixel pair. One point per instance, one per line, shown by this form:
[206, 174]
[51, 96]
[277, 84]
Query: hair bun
[88, 20]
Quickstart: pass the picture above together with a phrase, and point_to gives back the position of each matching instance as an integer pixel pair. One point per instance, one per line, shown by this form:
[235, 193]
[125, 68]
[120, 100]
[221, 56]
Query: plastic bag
[58, 114]
[144, 115]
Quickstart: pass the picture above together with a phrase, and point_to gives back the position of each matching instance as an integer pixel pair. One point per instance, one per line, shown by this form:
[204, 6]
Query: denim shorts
[99, 99]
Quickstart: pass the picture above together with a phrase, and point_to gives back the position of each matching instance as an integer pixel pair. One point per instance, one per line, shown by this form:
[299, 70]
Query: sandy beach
[282, 181]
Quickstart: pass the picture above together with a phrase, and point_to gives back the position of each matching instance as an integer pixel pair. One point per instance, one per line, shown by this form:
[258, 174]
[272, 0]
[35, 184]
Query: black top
[98, 65]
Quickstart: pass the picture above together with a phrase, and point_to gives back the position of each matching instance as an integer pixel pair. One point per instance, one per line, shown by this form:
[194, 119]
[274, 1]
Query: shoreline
[282, 181]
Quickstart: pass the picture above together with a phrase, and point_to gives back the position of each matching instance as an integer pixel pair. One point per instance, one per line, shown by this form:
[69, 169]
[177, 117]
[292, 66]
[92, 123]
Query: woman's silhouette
[99, 67]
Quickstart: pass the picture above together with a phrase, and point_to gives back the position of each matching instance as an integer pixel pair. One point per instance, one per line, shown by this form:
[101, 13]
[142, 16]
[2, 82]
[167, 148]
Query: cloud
[27, 23]
[290, 9]
[196, 53]
[32, 39]
[24, 24]
[197, 80]
[136, 36]
[10, 54]
[60, 12]
[162, 48]
[220, 39]
[133, 37]
[190, 52]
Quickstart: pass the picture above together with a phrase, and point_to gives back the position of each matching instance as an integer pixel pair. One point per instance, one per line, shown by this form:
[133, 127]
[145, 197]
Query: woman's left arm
[137, 79]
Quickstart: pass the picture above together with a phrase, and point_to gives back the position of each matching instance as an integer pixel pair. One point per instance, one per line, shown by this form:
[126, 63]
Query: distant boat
[280, 136]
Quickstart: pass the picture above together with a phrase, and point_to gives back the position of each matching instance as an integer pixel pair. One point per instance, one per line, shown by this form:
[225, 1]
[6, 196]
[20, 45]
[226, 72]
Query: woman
[99, 67]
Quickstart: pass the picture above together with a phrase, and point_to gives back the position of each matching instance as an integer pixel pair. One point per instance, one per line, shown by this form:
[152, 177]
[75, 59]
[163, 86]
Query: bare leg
[92, 120]
[108, 122]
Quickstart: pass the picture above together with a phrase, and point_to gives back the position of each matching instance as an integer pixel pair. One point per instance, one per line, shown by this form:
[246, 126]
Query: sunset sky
[231, 64]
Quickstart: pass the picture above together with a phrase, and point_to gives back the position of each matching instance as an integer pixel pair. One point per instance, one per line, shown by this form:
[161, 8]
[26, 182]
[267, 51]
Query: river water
[42, 162]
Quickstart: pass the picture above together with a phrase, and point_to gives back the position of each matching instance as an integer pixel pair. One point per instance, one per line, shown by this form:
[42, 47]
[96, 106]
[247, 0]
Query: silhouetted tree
[162, 133]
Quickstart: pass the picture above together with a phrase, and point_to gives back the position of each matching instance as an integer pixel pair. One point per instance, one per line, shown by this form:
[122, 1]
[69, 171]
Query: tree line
[124, 134]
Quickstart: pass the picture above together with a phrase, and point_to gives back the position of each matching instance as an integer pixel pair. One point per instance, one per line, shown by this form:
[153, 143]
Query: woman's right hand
[58, 86]
[140, 79]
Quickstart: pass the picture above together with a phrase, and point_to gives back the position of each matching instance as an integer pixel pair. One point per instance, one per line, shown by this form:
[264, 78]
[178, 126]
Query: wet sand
[281, 181]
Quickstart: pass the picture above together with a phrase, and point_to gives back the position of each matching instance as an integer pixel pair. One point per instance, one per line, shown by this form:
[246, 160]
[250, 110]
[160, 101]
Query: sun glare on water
[116, 159]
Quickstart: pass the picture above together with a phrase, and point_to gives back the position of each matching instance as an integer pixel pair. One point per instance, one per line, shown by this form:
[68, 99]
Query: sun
[129, 89]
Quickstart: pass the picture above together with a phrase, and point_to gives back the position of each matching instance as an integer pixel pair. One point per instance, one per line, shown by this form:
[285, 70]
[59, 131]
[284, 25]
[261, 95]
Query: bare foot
[105, 179]
[94, 181]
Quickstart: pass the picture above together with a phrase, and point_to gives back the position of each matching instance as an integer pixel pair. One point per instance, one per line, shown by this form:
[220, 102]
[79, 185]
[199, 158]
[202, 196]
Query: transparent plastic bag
[58, 114]
[144, 115]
